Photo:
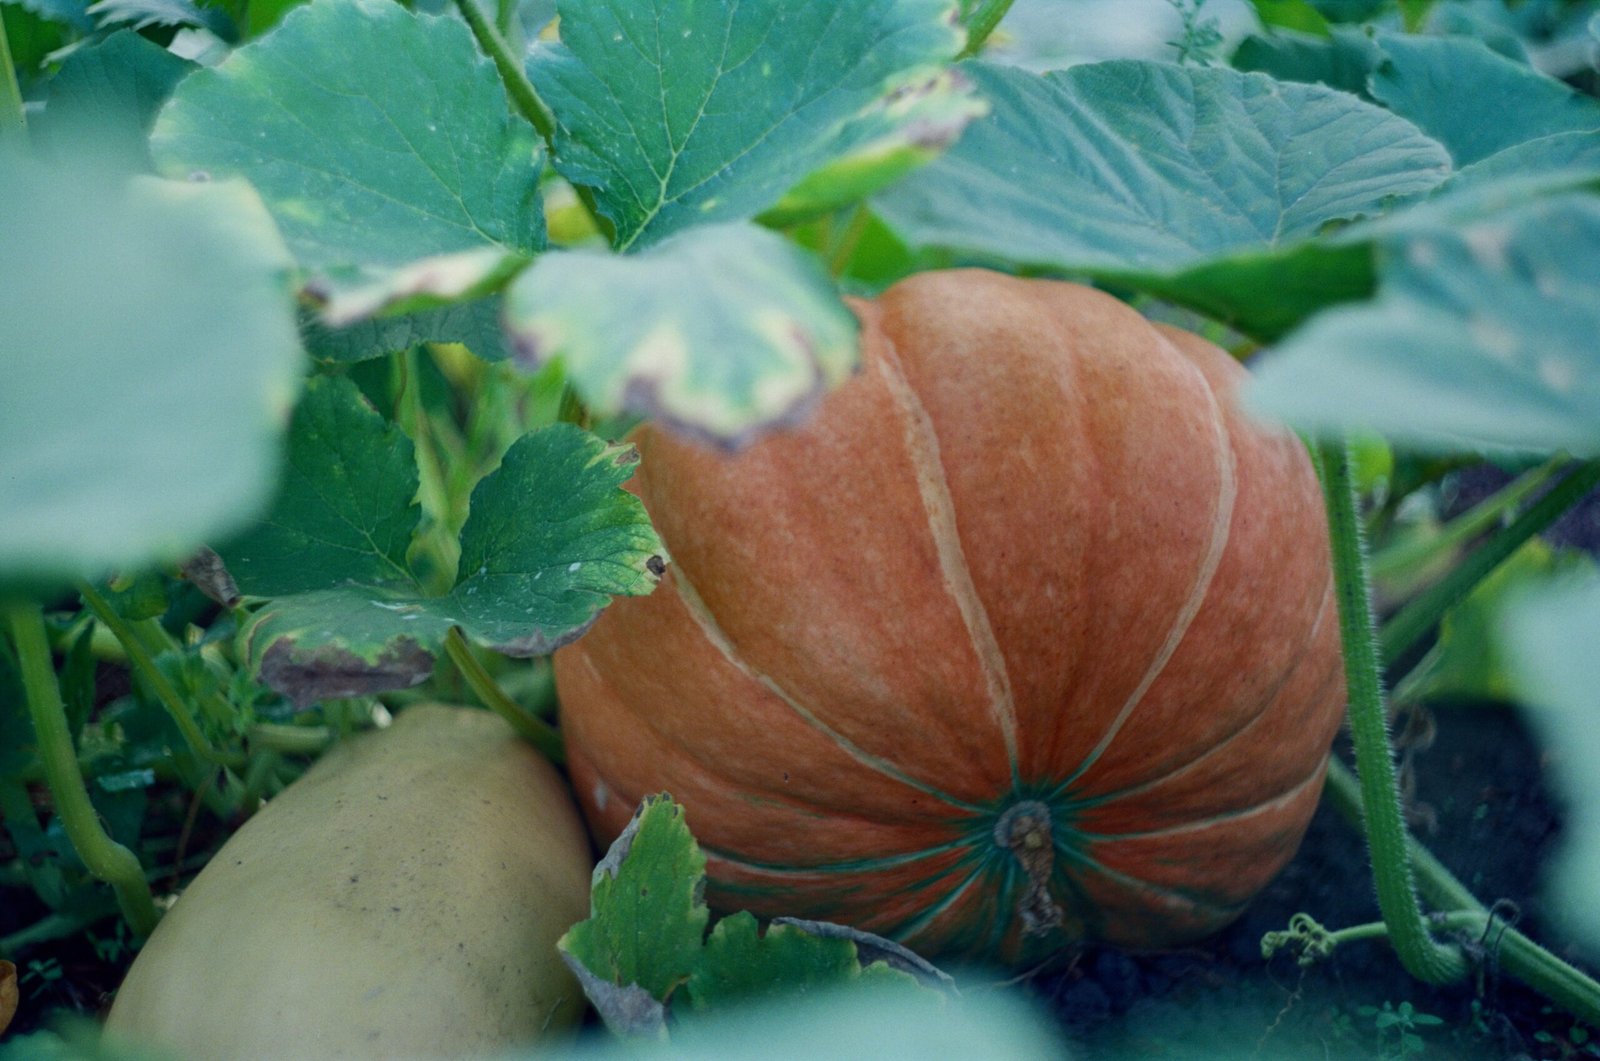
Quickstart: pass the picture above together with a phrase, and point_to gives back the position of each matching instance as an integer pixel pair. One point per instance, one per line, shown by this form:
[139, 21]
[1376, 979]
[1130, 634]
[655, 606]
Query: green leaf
[344, 510]
[1577, 153]
[550, 539]
[1550, 638]
[149, 352]
[376, 137]
[1473, 100]
[108, 93]
[679, 113]
[1482, 336]
[1342, 60]
[720, 331]
[1193, 184]
[647, 922]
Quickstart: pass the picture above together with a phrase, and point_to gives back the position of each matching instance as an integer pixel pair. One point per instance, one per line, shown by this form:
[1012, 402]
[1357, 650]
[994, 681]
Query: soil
[1481, 805]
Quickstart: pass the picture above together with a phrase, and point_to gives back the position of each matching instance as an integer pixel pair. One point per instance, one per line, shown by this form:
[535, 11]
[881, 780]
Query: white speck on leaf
[1494, 337]
[575, 565]
[1558, 374]
[1488, 245]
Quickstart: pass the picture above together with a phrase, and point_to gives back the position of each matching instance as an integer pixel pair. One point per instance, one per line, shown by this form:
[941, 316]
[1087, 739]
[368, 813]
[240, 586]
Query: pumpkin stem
[1024, 830]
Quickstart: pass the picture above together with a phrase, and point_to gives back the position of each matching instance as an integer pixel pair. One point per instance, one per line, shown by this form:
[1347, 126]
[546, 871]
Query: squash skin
[1031, 557]
[402, 899]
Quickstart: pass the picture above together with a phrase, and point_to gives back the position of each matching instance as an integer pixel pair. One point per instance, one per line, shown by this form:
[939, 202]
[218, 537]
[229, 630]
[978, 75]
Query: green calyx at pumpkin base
[992, 654]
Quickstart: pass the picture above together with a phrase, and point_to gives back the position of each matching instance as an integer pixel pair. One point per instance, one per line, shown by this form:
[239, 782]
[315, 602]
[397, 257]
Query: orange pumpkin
[1027, 636]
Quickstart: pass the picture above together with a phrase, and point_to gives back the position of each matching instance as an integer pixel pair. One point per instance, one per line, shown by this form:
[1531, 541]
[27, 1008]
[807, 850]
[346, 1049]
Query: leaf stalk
[535, 730]
[981, 23]
[1418, 618]
[144, 665]
[523, 95]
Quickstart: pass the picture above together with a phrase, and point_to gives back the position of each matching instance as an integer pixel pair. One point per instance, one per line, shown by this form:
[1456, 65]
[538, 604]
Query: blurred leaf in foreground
[148, 361]
[1553, 638]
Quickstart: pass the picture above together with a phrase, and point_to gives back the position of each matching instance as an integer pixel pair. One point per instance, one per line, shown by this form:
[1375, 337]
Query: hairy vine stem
[1518, 955]
[103, 856]
[1422, 955]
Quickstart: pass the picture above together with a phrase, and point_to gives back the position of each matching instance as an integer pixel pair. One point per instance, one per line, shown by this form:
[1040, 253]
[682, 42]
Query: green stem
[524, 96]
[104, 857]
[844, 243]
[572, 410]
[46, 930]
[1518, 955]
[1416, 553]
[13, 120]
[290, 740]
[145, 666]
[518, 87]
[1413, 622]
[504, 11]
[1422, 956]
[534, 729]
[981, 23]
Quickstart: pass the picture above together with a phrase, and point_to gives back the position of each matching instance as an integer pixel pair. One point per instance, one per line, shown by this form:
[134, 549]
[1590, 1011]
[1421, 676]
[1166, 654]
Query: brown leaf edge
[872, 948]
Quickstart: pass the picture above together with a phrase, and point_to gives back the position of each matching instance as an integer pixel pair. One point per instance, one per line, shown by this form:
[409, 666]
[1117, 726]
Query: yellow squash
[402, 899]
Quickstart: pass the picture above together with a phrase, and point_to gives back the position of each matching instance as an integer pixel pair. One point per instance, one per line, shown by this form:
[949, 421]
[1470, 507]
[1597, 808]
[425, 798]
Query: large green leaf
[1191, 183]
[1483, 334]
[1551, 637]
[648, 916]
[1473, 100]
[720, 330]
[550, 539]
[376, 136]
[107, 93]
[678, 113]
[149, 358]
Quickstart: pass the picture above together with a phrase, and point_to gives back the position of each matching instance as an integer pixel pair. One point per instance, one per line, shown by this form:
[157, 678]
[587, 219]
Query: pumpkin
[1026, 637]
[401, 899]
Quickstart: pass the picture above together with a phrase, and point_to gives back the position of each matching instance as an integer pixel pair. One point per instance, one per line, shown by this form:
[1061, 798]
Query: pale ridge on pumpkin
[1271, 803]
[1324, 610]
[719, 639]
[1221, 528]
[922, 449]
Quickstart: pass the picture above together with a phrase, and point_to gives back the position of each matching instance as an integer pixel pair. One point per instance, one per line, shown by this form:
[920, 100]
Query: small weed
[1397, 1028]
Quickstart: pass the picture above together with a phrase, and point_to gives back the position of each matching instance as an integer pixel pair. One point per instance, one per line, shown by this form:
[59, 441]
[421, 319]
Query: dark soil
[1481, 806]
